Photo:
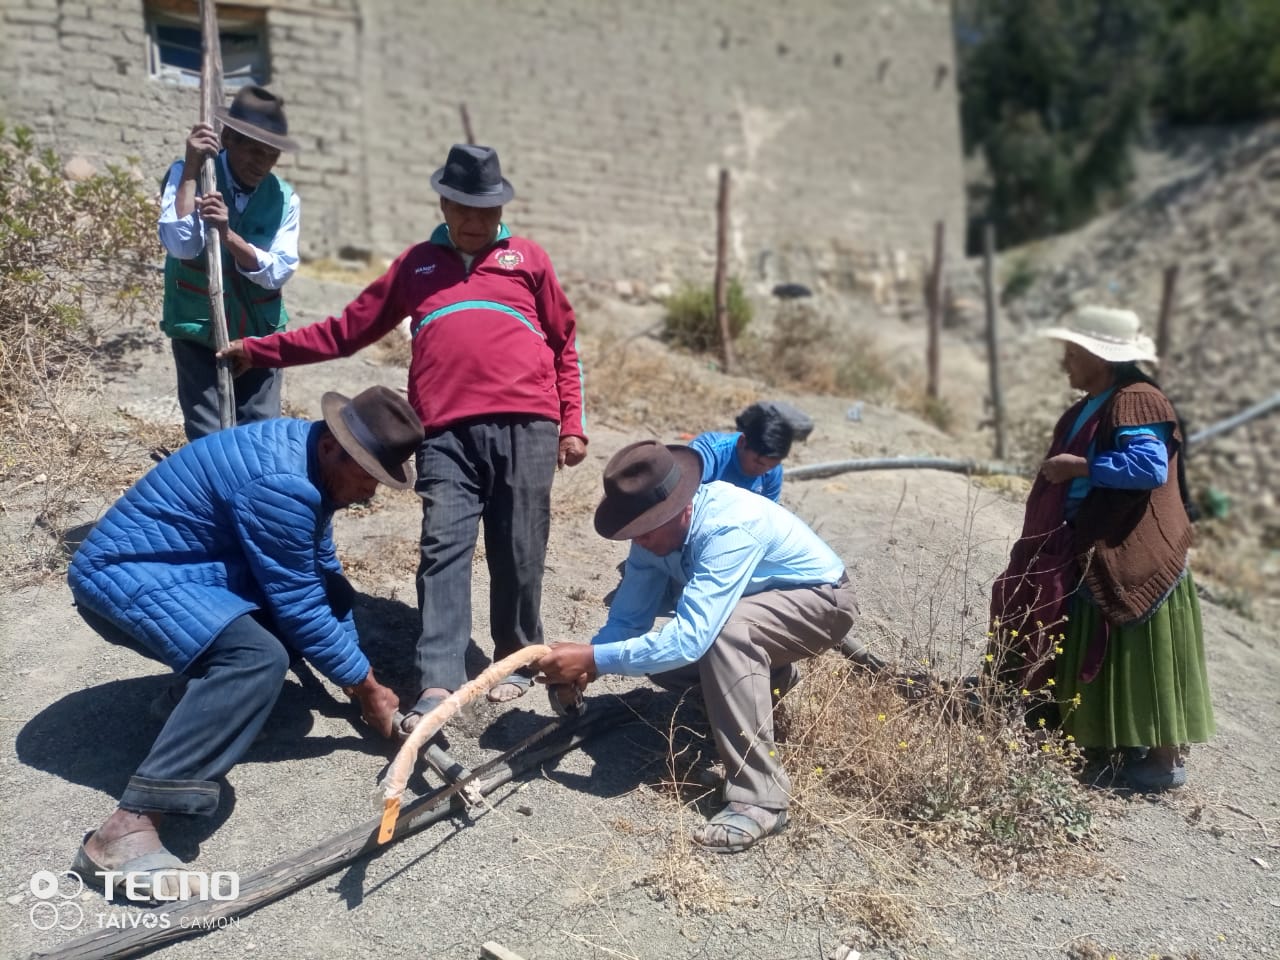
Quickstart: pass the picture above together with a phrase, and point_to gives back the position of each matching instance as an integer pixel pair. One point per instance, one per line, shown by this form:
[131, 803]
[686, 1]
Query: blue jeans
[230, 691]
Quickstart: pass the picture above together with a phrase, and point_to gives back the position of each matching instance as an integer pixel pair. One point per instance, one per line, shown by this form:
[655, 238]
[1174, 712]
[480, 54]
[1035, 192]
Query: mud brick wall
[837, 118]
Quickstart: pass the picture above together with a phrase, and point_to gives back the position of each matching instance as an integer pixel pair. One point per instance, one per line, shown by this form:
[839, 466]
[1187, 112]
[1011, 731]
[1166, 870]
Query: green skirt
[1152, 689]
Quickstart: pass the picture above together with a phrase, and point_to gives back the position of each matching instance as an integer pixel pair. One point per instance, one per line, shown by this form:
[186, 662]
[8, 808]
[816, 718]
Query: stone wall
[837, 118]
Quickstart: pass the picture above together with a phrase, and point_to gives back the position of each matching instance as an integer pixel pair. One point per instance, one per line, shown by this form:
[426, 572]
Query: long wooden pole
[211, 97]
[993, 334]
[467, 132]
[194, 917]
[935, 312]
[815, 471]
[722, 278]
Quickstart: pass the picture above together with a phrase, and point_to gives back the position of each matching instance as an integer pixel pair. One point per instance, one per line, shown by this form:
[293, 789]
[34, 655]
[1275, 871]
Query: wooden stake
[935, 313]
[993, 334]
[721, 278]
[211, 97]
[816, 471]
[1166, 314]
[466, 123]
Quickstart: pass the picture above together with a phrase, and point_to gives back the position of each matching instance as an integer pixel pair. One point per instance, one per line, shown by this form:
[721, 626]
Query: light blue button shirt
[738, 544]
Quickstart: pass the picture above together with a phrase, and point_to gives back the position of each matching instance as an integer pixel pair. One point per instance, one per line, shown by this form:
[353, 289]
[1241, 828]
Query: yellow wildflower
[1041, 721]
[902, 744]
[990, 657]
[1051, 682]
[880, 717]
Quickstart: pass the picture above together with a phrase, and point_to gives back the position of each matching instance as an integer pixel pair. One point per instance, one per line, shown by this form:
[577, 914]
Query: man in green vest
[256, 213]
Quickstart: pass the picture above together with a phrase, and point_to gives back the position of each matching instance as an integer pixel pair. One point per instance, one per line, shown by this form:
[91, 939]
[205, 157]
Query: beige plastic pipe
[397, 777]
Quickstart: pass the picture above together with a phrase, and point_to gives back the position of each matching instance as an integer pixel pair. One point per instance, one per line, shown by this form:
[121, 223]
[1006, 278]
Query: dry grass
[633, 382]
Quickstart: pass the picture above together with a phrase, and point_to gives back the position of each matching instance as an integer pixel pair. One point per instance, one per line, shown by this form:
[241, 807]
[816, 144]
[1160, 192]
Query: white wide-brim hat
[1110, 334]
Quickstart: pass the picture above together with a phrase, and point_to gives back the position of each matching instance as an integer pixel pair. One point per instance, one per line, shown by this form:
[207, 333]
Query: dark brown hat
[645, 485]
[472, 176]
[258, 113]
[379, 429]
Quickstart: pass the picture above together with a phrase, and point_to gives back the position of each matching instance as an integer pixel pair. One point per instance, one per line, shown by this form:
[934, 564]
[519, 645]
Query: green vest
[252, 311]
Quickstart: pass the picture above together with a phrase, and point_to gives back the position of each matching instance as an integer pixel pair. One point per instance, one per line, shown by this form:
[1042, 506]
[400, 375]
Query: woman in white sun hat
[1097, 607]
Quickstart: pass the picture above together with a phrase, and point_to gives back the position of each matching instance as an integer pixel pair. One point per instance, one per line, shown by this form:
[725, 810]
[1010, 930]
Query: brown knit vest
[1132, 544]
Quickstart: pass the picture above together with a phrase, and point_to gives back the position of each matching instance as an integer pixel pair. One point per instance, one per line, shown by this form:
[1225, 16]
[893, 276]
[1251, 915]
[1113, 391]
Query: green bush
[1222, 61]
[690, 320]
[71, 252]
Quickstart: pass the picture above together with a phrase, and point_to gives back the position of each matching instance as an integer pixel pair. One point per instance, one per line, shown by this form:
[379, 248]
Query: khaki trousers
[765, 631]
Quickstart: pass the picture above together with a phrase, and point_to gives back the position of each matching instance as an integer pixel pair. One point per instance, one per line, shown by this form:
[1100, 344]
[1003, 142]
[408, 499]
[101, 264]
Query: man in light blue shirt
[760, 590]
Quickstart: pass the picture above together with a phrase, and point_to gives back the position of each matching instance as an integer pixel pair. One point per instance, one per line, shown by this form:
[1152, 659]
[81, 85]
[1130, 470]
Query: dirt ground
[564, 862]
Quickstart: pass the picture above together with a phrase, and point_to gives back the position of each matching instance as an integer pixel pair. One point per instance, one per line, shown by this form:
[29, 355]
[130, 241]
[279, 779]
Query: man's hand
[1063, 467]
[201, 142]
[213, 211]
[573, 450]
[238, 355]
[572, 663]
[378, 704]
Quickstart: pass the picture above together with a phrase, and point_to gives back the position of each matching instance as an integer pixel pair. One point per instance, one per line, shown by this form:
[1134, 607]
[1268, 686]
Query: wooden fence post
[1166, 314]
[935, 312]
[721, 278]
[466, 123]
[993, 335]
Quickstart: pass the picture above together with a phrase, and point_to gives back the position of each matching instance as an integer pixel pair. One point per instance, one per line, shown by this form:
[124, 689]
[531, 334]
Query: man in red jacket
[495, 378]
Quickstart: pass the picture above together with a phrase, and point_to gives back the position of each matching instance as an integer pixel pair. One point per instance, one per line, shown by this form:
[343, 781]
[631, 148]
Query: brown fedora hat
[645, 485]
[258, 113]
[378, 428]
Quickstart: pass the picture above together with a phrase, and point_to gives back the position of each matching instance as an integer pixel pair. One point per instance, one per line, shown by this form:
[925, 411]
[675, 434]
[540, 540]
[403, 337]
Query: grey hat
[472, 177]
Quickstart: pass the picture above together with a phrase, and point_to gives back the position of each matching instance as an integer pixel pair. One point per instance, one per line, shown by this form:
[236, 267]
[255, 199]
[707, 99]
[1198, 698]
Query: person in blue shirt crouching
[752, 457]
[759, 591]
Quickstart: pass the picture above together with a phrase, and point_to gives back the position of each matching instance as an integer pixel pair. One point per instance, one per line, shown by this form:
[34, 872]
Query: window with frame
[173, 43]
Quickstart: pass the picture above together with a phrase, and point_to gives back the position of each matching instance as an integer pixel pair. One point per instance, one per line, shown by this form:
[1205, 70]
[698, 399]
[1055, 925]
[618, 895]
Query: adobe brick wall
[837, 118]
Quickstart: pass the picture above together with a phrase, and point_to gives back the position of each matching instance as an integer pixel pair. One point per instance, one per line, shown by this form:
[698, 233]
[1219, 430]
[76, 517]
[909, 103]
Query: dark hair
[767, 432]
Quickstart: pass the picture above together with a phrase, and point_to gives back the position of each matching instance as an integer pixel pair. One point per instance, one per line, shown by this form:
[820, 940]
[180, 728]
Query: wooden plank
[198, 917]
[1169, 286]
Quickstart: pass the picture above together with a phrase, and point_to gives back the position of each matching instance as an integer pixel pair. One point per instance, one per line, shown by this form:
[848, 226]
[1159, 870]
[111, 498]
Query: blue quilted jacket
[232, 523]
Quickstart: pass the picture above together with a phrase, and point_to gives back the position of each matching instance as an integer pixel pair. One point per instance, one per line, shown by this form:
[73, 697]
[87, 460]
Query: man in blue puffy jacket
[221, 563]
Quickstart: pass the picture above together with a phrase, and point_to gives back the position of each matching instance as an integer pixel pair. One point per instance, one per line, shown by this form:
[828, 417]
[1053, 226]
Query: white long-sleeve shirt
[184, 237]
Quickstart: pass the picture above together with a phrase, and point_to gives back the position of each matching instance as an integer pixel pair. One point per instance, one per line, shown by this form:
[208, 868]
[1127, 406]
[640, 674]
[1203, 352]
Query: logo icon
[55, 894]
[509, 259]
[425, 268]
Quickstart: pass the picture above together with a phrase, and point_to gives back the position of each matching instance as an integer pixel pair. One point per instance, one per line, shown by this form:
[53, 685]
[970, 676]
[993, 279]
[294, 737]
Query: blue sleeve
[722, 572]
[1140, 462]
[635, 602]
[772, 487]
[703, 444]
[297, 569]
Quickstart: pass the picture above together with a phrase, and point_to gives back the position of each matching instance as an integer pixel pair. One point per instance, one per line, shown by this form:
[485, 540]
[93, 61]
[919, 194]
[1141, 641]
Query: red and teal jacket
[498, 338]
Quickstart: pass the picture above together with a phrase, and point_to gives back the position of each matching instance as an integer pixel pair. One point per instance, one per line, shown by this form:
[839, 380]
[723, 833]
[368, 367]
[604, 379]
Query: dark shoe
[730, 831]
[1146, 778]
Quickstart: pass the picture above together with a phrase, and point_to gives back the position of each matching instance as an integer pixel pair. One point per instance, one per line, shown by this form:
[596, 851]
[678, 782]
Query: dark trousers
[230, 690]
[257, 391]
[498, 473]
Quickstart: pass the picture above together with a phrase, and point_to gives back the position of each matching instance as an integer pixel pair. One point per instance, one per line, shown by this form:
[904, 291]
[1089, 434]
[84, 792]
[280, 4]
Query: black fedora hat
[472, 177]
[378, 428]
[258, 113]
[645, 485]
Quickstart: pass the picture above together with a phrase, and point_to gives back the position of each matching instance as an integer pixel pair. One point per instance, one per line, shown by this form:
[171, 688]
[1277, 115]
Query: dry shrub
[884, 759]
[802, 352]
[633, 382]
[71, 252]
